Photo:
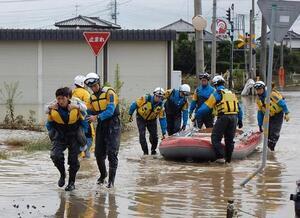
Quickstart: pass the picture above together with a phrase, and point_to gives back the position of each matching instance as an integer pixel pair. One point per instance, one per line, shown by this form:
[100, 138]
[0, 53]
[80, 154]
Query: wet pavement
[153, 187]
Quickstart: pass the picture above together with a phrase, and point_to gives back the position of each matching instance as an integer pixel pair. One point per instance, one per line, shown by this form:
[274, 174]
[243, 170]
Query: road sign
[96, 40]
[245, 40]
[286, 14]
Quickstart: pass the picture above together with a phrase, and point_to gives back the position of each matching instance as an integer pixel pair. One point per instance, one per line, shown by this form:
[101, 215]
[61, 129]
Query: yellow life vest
[100, 101]
[74, 116]
[228, 104]
[274, 107]
[146, 110]
[82, 94]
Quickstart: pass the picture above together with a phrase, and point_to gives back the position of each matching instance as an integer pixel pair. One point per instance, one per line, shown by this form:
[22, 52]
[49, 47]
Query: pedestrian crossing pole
[269, 90]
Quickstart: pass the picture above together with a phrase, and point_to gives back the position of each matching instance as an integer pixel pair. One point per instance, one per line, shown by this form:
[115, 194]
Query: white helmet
[259, 84]
[218, 80]
[91, 79]
[159, 92]
[79, 80]
[185, 88]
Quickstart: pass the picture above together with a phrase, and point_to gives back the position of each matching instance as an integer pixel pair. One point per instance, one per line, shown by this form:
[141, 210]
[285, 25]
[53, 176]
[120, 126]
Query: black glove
[183, 127]
[261, 129]
[240, 124]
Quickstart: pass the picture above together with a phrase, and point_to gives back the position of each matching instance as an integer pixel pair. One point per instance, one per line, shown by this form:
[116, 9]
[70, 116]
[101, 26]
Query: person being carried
[176, 107]
[66, 125]
[229, 115]
[104, 108]
[201, 94]
[278, 112]
[81, 93]
[149, 108]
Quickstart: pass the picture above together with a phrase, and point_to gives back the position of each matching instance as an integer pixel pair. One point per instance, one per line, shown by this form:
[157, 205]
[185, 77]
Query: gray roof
[182, 26]
[289, 35]
[77, 34]
[86, 22]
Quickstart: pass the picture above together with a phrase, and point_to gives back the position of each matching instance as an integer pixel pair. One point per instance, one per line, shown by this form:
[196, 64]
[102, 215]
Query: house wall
[41, 67]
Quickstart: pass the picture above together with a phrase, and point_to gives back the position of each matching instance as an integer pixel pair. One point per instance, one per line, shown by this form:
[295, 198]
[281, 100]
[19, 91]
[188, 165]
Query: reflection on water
[153, 187]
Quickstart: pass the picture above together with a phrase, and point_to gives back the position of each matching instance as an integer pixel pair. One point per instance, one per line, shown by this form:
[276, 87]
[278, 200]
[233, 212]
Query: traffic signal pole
[214, 44]
[231, 34]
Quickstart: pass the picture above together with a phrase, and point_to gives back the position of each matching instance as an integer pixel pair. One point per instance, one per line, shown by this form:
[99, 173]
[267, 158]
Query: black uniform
[107, 132]
[63, 136]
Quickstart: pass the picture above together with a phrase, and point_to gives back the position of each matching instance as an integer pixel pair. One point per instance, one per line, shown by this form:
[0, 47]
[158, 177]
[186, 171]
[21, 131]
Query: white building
[42, 60]
[291, 40]
[182, 26]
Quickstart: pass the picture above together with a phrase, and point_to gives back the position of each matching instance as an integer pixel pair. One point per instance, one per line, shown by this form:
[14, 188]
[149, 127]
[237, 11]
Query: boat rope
[246, 212]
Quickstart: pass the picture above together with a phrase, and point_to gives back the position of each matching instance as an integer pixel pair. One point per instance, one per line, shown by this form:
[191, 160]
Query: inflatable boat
[196, 145]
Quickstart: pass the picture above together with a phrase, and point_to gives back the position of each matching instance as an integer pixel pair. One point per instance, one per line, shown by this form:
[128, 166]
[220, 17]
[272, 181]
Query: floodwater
[148, 187]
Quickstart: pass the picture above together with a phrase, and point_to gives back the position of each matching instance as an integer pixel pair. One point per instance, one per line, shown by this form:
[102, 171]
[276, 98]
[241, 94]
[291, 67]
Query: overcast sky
[133, 14]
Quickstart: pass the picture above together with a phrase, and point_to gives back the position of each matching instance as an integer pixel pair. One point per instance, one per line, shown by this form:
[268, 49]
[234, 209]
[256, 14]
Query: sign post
[280, 16]
[96, 41]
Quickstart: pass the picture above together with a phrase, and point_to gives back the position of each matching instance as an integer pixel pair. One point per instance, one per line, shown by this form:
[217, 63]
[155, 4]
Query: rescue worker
[104, 108]
[176, 107]
[201, 94]
[66, 130]
[278, 112]
[229, 114]
[149, 108]
[81, 93]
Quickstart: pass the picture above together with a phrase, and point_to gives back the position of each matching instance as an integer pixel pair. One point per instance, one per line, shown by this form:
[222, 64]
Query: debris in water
[34, 207]
[28, 206]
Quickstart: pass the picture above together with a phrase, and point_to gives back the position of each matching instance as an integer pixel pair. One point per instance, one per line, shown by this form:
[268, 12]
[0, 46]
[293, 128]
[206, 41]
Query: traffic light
[228, 14]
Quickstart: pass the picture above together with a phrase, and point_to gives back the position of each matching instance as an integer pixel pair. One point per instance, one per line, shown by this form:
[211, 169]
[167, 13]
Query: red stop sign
[96, 40]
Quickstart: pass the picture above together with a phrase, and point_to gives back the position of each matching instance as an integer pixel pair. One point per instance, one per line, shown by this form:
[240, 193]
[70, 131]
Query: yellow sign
[245, 40]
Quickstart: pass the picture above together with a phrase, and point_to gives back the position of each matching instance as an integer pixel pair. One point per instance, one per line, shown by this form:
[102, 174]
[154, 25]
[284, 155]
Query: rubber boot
[153, 152]
[111, 178]
[61, 181]
[71, 184]
[101, 179]
[103, 172]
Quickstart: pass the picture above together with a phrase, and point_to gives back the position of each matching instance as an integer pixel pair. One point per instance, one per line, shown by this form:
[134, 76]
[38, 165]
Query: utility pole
[199, 42]
[214, 44]
[232, 47]
[250, 47]
[76, 10]
[253, 40]
[229, 17]
[114, 10]
[281, 53]
[263, 50]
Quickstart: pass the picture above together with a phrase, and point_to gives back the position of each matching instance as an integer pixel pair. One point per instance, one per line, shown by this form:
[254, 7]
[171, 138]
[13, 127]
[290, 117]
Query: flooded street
[149, 187]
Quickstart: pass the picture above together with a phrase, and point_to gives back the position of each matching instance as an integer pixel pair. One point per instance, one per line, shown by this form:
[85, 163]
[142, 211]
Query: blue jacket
[162, 120]
[206, 108]
[201, 94]
[260, 114]
[176, 103]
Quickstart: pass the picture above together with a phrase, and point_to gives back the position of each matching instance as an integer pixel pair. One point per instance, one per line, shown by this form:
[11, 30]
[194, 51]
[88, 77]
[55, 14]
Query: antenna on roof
[76, 9]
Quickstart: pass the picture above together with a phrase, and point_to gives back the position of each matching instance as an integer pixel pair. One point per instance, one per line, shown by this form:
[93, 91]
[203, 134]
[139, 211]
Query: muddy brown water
[148, 187]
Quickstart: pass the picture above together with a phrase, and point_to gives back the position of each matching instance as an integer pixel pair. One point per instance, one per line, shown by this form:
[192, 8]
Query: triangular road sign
[286, 14]
[96, 40]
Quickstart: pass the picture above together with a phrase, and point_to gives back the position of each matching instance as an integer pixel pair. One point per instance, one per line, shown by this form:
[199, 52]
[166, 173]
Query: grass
[3, 155]
[40, 144]
[16, 142]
